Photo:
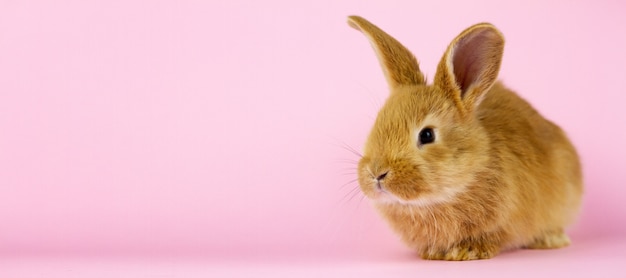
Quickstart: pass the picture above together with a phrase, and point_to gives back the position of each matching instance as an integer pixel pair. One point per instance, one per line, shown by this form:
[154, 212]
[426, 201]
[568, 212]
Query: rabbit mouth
[383, 196]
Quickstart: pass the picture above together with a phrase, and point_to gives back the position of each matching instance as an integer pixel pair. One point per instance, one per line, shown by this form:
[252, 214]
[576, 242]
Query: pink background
[210, 136]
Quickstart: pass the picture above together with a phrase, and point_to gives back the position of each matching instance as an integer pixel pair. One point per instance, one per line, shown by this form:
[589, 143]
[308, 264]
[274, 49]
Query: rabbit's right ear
[398, 63]
[470, 65]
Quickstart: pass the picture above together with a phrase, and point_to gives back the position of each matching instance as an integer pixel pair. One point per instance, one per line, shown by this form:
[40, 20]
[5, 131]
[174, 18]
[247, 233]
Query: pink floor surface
[587, 258]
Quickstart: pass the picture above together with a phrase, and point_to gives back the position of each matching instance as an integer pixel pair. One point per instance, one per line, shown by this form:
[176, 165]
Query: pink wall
[191, 127]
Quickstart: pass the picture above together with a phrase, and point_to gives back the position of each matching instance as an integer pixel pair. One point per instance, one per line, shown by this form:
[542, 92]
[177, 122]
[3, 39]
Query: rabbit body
[464, 168]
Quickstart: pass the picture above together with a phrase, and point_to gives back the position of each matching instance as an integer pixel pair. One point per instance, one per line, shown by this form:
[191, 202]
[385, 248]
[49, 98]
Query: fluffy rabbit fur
[496, 176]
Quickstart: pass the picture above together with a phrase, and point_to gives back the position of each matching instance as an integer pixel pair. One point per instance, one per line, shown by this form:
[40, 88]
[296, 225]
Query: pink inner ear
[471, 58]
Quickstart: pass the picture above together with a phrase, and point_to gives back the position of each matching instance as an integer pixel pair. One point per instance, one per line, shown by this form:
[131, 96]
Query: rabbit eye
[427, 136]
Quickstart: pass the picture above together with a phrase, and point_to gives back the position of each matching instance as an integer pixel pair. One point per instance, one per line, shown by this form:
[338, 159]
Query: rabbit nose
[382, 176]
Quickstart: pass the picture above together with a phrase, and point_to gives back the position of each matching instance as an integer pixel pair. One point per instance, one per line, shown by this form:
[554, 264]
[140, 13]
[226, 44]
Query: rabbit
[465, 169]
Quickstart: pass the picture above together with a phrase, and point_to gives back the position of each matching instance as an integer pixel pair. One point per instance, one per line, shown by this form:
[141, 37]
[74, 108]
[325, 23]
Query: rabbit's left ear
[398, 63]
[470, 65]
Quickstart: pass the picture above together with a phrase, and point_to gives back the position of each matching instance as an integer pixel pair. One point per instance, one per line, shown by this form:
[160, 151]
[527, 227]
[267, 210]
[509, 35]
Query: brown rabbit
[464, 168]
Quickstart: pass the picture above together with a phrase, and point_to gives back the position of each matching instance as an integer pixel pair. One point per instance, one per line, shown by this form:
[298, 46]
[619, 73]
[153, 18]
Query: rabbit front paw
[464, 251]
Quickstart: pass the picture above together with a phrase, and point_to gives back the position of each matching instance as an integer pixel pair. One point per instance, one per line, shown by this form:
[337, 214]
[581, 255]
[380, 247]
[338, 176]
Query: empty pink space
[195, 138]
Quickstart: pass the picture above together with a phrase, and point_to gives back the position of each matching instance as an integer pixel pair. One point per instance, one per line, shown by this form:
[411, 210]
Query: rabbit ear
[471, 63]
[399, 65]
